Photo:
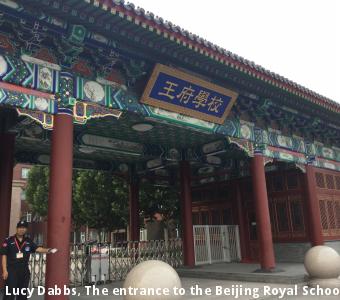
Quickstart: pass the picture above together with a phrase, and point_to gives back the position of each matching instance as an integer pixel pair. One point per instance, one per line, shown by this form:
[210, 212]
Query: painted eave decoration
[128, 11]
[179, 92]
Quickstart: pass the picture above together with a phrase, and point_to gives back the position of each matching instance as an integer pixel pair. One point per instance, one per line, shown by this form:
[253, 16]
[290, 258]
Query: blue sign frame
[179, 92]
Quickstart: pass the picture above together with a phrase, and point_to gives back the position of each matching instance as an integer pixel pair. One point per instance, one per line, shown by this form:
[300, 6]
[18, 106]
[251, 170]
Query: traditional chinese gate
[216, 243]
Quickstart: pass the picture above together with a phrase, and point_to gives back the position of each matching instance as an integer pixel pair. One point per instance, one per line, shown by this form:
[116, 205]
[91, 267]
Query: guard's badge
[27, 249]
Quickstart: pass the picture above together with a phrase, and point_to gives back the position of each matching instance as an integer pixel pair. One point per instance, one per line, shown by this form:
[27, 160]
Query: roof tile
[208, 45]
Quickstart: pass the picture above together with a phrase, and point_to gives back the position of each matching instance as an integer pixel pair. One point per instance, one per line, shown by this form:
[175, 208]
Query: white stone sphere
[153, 274]
[322, 262]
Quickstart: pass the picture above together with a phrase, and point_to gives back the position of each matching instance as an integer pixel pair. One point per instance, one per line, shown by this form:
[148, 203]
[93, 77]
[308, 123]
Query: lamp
[142, 127]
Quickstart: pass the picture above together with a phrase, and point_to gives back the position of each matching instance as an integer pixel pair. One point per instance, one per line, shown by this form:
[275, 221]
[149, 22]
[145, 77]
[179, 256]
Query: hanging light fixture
[142, 127]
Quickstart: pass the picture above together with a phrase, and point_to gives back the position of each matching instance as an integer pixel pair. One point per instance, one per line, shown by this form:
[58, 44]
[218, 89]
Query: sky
[298, 39]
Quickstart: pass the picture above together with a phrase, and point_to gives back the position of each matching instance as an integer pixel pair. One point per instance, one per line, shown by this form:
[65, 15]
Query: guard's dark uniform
[18, 254]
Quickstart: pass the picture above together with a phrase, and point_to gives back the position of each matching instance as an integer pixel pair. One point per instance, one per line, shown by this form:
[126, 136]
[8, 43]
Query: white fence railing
[216, 243]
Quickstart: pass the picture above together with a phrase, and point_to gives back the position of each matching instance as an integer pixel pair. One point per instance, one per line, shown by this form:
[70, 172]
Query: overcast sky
[298, 39]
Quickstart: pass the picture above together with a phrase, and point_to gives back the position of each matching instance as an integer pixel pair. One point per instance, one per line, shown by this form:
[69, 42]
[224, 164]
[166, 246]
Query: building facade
[100, 84]
[232, 203]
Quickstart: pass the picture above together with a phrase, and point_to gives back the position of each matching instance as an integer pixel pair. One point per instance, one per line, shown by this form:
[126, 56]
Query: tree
[37, 190]
[100, 200]
[164, 200]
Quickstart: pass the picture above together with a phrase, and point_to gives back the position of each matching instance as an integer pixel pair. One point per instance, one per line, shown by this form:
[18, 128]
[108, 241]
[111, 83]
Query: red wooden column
[265, 239]
[313, 208]
[7, 142]
[186, 215]
[60, 202]
[244, 234]
[134, 210]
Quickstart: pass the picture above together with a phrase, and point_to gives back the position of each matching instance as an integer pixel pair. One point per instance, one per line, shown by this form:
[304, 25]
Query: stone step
[250, 277]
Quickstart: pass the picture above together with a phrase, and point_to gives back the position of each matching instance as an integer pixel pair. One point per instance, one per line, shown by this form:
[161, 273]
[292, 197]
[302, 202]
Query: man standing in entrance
[15, 253]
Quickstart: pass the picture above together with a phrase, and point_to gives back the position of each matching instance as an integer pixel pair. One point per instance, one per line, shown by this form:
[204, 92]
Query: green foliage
[37, 190]
[100, 200]
[164, 200]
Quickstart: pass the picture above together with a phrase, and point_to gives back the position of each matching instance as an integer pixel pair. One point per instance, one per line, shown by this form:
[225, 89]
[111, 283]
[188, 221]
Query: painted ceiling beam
[19, 89]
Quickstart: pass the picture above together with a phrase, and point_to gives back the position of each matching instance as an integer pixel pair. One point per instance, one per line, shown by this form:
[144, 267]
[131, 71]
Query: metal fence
[103, 263]
[216, 243]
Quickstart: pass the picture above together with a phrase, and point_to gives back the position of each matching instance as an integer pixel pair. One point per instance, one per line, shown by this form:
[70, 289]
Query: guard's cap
[22, 224]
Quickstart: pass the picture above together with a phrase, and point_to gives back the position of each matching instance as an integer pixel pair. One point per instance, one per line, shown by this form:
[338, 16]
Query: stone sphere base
[325, 283]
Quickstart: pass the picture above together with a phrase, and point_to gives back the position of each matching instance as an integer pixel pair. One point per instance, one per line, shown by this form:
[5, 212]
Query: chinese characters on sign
[182, 93]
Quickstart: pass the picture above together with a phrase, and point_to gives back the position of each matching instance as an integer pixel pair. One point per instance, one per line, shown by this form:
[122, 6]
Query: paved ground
[254, 290]
[287, 273]
[292, 269]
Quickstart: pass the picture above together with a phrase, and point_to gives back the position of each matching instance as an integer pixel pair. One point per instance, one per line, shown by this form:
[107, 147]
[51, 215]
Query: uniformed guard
[16, 252]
